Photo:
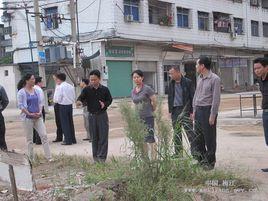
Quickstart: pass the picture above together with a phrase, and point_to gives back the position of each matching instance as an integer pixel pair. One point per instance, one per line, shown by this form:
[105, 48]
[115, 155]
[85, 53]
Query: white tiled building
[152, 35]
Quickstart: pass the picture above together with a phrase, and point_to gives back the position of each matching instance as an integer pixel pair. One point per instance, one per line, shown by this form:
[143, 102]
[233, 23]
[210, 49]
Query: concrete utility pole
[40, 48]
[73, 24]
[39, 38]
[74, 32]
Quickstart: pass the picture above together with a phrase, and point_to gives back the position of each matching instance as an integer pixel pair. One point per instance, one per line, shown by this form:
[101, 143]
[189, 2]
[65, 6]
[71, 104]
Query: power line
[98, 15]
[53, 3]
[23, 7]
[54, 32]
[87, 6]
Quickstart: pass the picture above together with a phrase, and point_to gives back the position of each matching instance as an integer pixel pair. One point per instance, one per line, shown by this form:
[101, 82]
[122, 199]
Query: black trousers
[36, 137]
[67, 124]
[58, 122]
[187, 126]
[99, 127]
[206, 136]
[3, 144]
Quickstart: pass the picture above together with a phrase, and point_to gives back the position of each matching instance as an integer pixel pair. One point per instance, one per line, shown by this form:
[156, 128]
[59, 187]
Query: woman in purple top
[30, 104]
[143, 96]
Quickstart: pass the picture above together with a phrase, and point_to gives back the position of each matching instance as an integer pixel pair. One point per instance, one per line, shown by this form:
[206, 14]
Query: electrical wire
[98, 21]
[58, 31]
[87, 7]
[23, 7]
[54, 32]
[53, 3]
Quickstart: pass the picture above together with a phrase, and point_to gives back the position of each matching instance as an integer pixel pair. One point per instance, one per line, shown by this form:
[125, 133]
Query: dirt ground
[239, 146]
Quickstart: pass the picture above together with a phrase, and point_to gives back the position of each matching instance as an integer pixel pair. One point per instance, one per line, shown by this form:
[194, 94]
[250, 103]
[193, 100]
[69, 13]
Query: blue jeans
[265, 126]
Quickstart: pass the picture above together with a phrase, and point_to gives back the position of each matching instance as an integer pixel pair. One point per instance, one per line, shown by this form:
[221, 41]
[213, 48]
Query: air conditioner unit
[8, 30]
[56, 53]
[129, 18]
[233, 35]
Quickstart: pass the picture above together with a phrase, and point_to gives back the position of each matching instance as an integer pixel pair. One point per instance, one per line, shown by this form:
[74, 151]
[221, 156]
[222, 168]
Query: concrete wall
[10, 82]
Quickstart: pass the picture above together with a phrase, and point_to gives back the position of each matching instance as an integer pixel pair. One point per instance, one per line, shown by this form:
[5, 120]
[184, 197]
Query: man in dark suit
[180, 98]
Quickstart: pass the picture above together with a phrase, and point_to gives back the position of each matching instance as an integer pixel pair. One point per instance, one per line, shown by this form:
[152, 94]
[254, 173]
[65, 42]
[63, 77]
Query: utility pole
[73, 24]
[40, 48]
[29, 35]
[73, 13]
[77, 21]
[39, 39]
[74, 34]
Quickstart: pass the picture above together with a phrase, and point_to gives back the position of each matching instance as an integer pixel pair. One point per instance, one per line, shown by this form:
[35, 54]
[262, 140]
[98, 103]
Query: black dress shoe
[38, 143]
[64, 143]
[57, 140]
[265, 170]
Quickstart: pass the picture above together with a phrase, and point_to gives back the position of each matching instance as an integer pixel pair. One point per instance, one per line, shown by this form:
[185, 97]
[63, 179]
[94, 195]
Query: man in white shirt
[59, 132]
[38, 86]
[65, 97]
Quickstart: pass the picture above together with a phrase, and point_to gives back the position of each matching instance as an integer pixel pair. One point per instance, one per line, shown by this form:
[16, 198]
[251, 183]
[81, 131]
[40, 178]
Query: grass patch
[142, 178]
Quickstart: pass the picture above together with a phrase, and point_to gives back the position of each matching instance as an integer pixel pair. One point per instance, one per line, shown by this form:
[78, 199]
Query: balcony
[222, 22]
[161, 13]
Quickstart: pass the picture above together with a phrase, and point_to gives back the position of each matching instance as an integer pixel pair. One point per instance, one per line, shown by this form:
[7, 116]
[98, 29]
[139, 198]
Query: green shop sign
[119, 51]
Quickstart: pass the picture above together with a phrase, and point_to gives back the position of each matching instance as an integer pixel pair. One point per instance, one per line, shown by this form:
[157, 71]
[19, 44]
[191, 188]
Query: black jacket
[187, 93]
[92, 97]
[3, 99]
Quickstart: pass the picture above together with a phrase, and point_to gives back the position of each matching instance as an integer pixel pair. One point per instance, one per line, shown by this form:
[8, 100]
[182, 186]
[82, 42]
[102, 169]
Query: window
[264, 4]
[6, 73]
[238, 26]
[160, 13]
[265, 29]
[254, 3]
[51, 18]
[183, 17]
[131, 10]
[222, 22]
[254, 28]
[203, 21]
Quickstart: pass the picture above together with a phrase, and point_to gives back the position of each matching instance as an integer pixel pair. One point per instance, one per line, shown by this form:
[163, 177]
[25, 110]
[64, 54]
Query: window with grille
[183, 17]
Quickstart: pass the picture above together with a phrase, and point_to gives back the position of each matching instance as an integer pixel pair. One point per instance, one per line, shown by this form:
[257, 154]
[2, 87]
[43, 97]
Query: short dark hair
[262, 60]
[96, 73]
[38, 79]
[61, 76]
[205, 61]
[176, 68]
[86, 81]
[138, 72]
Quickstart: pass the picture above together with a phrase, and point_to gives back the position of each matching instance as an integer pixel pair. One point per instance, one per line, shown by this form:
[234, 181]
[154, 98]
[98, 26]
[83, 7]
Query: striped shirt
[208, 92]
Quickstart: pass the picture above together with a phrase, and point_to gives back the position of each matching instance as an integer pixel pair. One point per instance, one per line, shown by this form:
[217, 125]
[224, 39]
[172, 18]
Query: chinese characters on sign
[233, 63]
[42, 57]
[119, 51]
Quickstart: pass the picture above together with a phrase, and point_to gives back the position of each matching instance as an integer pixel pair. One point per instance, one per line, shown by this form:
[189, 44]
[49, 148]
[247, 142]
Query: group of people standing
[95, 99]
[199, 104]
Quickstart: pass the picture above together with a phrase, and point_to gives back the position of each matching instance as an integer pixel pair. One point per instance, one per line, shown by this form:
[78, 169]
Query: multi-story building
[153, 35]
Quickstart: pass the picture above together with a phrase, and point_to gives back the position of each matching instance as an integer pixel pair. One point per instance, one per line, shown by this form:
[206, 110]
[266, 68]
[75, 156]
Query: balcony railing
[161, 13]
